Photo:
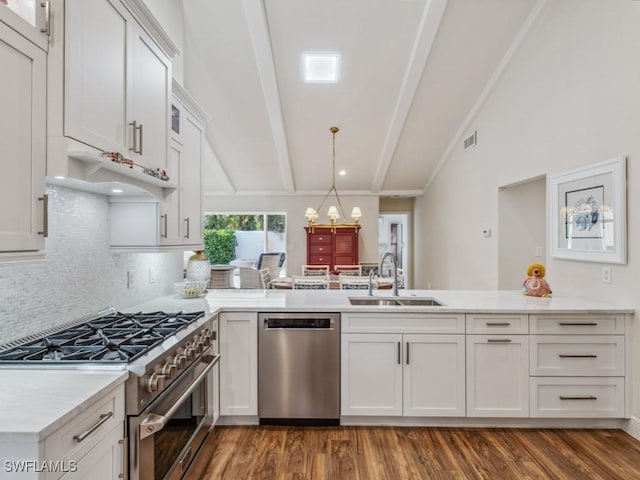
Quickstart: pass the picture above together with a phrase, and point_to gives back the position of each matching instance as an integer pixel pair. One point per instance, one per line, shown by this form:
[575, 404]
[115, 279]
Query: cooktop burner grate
[116, 337]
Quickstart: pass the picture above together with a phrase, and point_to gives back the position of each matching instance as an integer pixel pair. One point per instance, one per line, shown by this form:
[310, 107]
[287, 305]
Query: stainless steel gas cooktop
[113, 338]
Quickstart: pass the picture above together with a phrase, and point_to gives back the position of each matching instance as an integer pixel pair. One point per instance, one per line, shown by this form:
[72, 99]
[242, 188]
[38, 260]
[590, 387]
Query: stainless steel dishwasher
[299, 368]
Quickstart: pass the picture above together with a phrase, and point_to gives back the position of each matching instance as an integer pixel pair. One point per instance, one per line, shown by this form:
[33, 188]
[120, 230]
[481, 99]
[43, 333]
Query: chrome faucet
[371, 273]
[395, 270]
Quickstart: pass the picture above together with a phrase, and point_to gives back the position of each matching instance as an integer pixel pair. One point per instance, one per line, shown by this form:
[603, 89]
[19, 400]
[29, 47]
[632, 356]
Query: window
[255, 233]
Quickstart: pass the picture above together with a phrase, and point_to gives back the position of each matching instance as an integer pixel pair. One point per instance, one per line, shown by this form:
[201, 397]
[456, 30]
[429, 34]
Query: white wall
[294, 207]
[568, 98]
[80, 275]
[521, 230]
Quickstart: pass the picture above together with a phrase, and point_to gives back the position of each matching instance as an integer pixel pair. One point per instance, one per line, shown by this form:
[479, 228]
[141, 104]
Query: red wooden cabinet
[332, 245]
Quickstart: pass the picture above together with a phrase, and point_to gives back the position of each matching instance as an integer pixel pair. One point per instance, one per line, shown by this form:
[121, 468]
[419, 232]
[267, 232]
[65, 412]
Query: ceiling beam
[261, 43]
[429, 23]
[488, 88]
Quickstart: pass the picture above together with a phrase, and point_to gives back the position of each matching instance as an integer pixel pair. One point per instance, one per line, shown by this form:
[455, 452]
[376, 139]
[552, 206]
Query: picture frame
[589, 213]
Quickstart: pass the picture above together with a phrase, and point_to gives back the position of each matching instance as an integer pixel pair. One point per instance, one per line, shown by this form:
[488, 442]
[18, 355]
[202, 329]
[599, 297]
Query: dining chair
[350, 282]
[353, 270]
[313, 282]
[250, 277]
[274, 261]
[265, 273]
[315, 270]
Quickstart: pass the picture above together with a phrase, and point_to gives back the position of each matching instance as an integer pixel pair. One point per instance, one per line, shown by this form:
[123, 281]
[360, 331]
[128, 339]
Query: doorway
[393, 236]
[522, 226]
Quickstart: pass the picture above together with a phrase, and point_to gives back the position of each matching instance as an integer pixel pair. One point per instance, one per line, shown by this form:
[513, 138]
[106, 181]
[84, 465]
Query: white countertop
[455, 301]
[36, 402]
[33, 402]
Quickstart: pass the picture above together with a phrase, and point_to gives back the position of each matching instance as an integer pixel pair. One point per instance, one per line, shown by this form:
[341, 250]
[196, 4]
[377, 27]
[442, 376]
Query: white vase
[199, 267]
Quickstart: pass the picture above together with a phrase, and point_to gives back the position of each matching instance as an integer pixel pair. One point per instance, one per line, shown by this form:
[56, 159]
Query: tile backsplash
[80, 274]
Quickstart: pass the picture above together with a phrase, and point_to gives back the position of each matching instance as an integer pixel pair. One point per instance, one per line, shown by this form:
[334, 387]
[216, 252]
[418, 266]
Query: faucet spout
[395, 270]
[371, 283]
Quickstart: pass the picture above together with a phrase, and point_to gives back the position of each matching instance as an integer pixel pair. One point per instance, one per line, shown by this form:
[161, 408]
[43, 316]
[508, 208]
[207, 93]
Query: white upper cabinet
[109, 90]
[23, 216]
[116, 86]
[30, 18]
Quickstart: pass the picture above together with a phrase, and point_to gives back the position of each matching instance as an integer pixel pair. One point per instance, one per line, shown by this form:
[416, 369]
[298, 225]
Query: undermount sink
[386, 302]
[381, 302]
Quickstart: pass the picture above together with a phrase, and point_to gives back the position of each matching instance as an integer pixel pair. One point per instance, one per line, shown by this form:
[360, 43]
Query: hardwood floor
[399, 453]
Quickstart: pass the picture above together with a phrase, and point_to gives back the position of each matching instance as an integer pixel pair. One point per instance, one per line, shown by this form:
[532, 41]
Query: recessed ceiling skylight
[320, 67]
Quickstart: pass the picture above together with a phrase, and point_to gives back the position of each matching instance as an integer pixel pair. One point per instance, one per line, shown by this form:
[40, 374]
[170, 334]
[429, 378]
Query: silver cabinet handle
[407, 353]
[137, 130]
[125, 457]
[165, 225]
[572, 397]
[498, 324]
[187, 220]
[103, 418]
[578, 324]
[154, 422]
[47, 17]
[45, 215]
[141, 139]
[399, 353]
[564, 355]
[499, 340]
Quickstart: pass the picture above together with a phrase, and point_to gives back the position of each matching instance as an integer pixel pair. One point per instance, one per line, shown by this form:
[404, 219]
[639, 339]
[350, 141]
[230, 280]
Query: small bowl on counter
[191, 288]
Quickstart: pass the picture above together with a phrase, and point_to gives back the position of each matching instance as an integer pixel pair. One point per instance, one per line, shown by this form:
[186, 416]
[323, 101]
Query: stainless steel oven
[165, 436]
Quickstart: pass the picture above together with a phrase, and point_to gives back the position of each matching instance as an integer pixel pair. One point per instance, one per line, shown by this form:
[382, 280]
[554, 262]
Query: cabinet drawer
[584, 397]
[490, 324]
[320, 259]
[577, 324]
[320, 238]
[320, 249]
[577, 355]
[402, 323]
[61, 444]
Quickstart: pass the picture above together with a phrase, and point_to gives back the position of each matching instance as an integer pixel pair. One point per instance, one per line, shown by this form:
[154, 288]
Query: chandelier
[334, 213]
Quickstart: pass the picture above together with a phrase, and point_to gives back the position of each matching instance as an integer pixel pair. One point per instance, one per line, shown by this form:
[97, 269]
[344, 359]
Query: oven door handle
[154, 422]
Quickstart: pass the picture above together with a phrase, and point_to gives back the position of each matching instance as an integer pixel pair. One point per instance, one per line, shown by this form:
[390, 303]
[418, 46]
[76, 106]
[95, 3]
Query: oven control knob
[206, 340]
[169, 370]
[155, 382]
[180, 361]
[190, 352]
[199, 346]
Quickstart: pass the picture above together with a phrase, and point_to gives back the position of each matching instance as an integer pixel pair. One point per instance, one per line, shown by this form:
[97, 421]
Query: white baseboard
[632, 427]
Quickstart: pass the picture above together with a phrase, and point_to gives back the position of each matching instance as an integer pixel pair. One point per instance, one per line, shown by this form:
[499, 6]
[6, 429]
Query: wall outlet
[152, 275]
[606, 274]
[130, 279]
[538, 252]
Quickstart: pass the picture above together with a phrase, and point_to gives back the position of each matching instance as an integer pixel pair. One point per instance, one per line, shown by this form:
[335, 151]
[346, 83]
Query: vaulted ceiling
[412, 73]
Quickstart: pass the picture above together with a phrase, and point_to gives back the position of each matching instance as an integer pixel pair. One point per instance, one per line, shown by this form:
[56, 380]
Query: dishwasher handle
[299, 323]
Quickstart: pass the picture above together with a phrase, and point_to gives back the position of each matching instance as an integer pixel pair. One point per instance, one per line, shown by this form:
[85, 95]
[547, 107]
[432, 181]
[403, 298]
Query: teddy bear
[535, 285]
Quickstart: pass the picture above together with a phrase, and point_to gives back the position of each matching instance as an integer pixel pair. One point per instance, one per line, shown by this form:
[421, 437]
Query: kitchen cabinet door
[150, 93]
[96, 73]
[239, 363]
[434, 375]
[371, 374]
[190, 182]
[105, 461]
[497, 375]
[170, 217]
[22, 143]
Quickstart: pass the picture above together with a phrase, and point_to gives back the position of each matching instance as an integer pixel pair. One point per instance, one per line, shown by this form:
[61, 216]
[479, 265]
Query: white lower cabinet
[91, 445]
[371, 374]
[402, 374]
[581, 397]
[497, 376]
[239, 363]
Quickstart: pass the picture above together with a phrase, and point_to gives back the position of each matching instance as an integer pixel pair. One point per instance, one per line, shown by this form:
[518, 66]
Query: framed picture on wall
[589, 213]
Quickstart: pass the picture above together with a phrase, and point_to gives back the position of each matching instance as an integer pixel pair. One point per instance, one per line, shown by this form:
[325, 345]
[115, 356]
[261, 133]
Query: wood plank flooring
[399, 453]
